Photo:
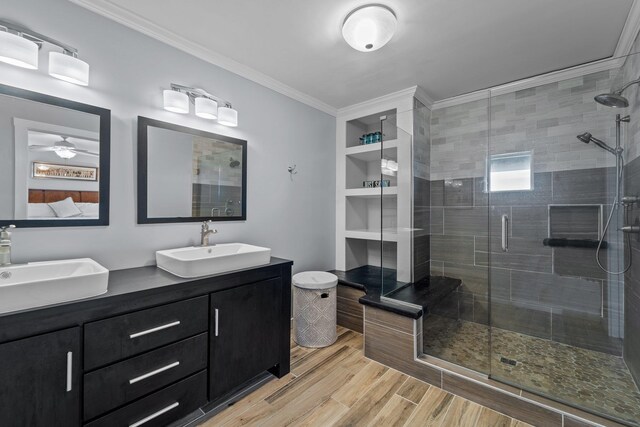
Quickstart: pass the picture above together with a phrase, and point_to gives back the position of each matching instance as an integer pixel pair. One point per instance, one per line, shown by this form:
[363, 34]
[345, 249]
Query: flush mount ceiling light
[369, 27]
[207, 106]
[19, 46]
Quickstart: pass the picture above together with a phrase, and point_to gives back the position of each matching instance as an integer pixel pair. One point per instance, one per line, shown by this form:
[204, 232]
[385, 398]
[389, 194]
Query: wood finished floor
[338, 386]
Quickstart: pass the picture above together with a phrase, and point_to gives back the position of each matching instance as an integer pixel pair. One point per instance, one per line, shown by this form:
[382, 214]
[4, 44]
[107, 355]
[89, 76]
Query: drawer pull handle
[69, 371]
[152, 373]
[156, 329]
[155, 415]
[216, 327]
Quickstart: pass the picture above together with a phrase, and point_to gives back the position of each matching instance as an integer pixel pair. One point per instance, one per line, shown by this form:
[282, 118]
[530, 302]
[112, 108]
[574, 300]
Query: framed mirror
[188, 175]
[54, 161]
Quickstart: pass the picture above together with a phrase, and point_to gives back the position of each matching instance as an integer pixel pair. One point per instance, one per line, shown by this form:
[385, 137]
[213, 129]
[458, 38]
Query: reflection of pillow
[89, 209]
[65, 208]
[40, 210]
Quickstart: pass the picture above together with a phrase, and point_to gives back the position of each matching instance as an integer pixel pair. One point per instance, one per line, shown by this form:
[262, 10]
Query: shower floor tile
[593, 381]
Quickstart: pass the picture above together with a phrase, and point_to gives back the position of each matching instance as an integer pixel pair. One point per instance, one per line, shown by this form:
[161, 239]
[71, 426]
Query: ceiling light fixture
[207, 106]
[369, 27]
[19, 46]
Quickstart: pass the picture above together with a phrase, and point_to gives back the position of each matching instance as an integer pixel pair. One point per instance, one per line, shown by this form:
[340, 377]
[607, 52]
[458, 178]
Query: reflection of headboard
[50, 196]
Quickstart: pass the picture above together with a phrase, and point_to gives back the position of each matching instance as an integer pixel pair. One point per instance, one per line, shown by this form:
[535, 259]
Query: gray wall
[128, 73]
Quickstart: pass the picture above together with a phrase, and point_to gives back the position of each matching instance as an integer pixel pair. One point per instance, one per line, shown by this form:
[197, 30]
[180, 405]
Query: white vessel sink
[199, 261]
[36, 284]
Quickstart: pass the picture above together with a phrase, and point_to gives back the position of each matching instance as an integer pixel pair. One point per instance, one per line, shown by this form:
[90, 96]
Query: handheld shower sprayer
[587, 138]
[613, 100]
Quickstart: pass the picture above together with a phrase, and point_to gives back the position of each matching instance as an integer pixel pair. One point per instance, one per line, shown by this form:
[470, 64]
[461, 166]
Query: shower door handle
[505, 233]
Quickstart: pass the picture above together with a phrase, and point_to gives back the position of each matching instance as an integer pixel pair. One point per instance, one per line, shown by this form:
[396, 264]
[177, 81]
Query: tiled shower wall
[421, 197]
[631, 71]
[553, 293]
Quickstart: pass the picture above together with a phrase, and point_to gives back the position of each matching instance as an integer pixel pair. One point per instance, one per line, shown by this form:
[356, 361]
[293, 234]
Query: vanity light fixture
[176, 102]
[207, 106]
[369, 27]
[18, 51]
[19, 46]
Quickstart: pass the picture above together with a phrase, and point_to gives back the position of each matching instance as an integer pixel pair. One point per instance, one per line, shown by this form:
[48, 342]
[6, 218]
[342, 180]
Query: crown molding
[380, 103]
[555, 76]
[629, 31]
[422, 96]
[144, 26]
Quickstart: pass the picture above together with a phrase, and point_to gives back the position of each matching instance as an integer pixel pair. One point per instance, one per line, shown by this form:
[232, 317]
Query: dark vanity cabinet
[145, 355]
[40, 380]
[242, 340]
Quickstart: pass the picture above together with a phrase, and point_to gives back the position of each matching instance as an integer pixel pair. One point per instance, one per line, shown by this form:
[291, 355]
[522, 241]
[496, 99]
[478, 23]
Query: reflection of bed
[86, 201]
[50, 196]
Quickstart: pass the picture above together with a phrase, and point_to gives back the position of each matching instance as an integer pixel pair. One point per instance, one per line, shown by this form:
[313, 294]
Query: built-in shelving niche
[368, 124]
[361, 252]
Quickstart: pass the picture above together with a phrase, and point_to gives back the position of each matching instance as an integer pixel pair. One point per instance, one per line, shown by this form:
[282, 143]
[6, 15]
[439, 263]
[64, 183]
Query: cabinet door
[245, 334]
[40, 380]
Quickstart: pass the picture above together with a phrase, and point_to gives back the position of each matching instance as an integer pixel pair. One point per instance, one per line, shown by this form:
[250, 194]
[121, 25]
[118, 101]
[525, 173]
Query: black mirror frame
[143, 143]
[105, 158]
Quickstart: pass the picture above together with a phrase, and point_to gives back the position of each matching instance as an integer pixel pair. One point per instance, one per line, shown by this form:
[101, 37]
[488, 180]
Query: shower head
[614, 100]
[585, 137]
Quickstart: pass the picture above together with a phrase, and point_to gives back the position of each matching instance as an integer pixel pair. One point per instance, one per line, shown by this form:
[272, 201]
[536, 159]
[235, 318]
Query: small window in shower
[511, 172]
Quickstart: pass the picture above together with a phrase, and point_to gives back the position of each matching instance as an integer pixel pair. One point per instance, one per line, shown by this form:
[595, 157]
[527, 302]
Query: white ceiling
[448, 47]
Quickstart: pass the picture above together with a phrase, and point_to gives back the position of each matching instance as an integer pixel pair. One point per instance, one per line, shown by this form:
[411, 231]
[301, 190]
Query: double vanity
[149, 348]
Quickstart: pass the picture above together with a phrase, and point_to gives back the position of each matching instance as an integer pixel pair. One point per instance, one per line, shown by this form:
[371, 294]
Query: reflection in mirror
[51, 161]
[189, 175]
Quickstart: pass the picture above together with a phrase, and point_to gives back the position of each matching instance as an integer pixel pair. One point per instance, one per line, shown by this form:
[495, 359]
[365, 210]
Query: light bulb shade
[16, 50]
[176, 102]
[206, 108]
[65, 153]
[227, 116]
[68, 68]
[370, 27]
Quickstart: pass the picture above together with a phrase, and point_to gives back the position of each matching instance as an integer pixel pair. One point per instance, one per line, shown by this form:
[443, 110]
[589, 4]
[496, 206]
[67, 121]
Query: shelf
[371, 152]
[370, 193]
[390, 234]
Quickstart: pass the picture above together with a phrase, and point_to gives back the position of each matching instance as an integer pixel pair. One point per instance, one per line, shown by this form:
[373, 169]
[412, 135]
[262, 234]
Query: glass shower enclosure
[517, 219]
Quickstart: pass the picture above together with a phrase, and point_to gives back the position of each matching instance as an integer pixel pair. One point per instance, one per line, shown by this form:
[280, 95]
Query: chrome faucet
[5, 245]
[205, 233]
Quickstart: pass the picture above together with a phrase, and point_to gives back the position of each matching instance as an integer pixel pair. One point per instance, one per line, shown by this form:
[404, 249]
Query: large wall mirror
[54, 161]
[187, 175]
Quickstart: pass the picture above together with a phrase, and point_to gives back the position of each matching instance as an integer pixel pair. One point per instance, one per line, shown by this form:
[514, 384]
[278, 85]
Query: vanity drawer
[160, 408]
[110, 340]
[115, 385]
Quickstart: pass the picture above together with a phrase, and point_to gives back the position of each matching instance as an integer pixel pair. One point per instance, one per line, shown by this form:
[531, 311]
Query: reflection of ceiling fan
[64, 149]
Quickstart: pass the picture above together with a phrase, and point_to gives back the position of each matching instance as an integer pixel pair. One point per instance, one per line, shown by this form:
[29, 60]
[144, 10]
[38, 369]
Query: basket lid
[315, 280]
